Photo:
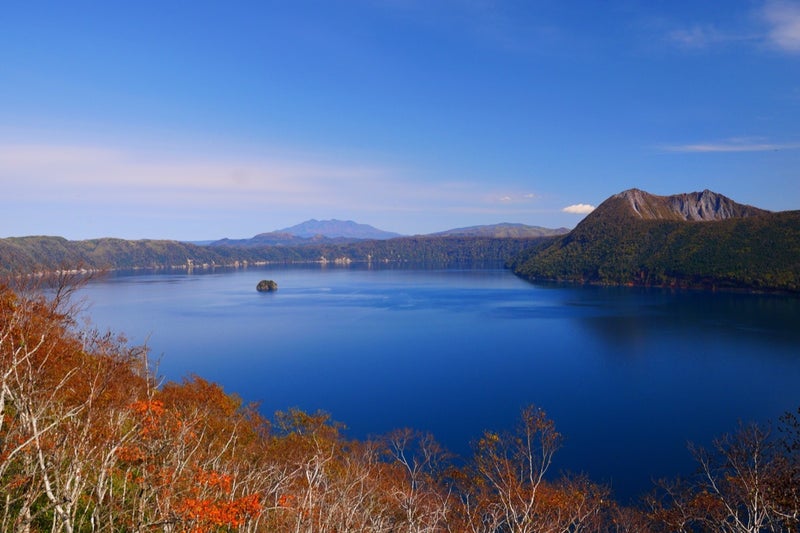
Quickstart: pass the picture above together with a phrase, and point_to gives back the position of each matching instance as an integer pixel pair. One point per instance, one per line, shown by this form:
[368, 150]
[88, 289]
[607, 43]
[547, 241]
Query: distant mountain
[333, 228]
[316, 232]
[700, 239]
[278, 238]
[312, 232]
[503, 231]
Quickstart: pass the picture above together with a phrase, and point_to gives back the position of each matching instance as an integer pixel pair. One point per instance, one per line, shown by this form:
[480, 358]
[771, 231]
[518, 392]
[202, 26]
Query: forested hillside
[89, 441]
[616, 244]
[504, 230]
[20, 255]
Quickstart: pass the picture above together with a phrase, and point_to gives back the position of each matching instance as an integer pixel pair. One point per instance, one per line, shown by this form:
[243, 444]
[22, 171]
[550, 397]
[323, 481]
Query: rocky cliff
[698, 206]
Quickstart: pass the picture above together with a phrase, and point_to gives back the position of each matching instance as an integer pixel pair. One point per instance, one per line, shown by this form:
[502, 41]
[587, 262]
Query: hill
[280, 238]
[503, 231]
[26, 255]
[700, 239]
[23, 255]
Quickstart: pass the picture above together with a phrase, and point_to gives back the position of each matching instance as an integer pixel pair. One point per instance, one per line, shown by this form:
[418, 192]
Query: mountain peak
[697, 206]
[334, 228]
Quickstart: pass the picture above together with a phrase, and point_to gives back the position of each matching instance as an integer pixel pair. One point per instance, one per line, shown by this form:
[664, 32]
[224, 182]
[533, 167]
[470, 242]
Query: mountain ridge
[335, 231]
[700, 206]
[502, 230]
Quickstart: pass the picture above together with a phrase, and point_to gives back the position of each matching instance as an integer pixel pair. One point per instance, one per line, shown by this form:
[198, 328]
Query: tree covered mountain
[279, 238]
[502, 231]
[700, 239]
[23, 255]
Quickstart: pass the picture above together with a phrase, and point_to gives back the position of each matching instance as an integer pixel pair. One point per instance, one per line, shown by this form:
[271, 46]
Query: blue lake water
[628, 375]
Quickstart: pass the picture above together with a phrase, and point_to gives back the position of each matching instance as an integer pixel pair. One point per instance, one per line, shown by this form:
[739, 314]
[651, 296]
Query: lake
[628, 375]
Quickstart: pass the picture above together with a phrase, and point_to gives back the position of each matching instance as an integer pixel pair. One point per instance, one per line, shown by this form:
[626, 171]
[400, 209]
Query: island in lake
[267, 285]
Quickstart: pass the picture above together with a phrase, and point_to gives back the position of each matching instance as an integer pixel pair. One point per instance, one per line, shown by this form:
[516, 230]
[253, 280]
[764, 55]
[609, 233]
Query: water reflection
[624, 319]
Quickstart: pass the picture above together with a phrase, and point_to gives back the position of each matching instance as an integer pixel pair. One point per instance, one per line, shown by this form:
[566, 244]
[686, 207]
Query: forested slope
[89, 442]
[20, 255]
[616, 245]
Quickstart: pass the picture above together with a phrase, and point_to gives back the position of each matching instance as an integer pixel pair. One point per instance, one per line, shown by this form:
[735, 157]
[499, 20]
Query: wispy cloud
[96, 172]
[731, 145]
[515, 198]
[700, 37]
[90, 177]
[783, 19]
[579, 209]
[775, 24]
[502, 26]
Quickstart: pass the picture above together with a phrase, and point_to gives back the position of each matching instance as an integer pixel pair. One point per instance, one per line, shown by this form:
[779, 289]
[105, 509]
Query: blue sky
[202, 120]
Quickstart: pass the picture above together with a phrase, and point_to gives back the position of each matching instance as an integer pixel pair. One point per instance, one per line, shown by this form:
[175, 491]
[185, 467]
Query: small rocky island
[266, 285]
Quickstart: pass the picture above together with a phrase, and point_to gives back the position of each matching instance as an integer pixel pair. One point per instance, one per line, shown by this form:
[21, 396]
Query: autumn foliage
[89, 441]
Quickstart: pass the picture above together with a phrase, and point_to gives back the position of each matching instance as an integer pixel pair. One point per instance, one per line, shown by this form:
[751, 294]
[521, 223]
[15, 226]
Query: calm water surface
[628, 375]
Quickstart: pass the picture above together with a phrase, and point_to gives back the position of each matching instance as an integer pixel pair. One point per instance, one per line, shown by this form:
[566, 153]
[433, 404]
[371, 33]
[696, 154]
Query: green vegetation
[267, 285]
[22, 255]
[503, 231]
[613, 247]
[437, 250]
[89, 442]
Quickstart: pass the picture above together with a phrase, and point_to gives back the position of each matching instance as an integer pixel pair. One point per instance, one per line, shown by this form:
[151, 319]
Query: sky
[195, 120]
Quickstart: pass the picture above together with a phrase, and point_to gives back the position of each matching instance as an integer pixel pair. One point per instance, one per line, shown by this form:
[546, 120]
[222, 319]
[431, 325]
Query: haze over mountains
[312, 231]
[343, 231]
[337, 228]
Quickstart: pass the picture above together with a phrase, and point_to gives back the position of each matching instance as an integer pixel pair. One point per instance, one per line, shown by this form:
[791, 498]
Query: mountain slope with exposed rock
[699, 239]
[695, 206]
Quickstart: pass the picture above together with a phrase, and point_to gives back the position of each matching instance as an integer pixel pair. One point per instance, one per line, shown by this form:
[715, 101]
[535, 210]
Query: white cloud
[579, 209]
[783, 18]
[731, 145]
[96, 172]
[775, 24]
[698, 36]
[508, 198]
